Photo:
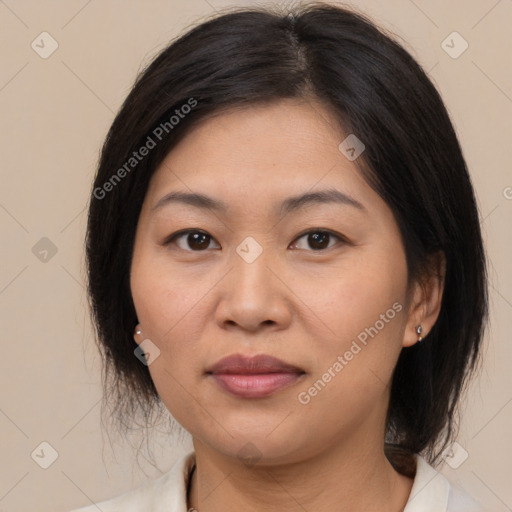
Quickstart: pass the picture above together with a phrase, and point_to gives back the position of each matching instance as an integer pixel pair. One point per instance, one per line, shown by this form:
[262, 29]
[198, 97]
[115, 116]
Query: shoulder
[164, 494]
[433, 492]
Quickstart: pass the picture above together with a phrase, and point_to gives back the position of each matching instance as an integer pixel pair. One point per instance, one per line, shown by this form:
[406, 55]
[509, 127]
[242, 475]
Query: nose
[254, 296]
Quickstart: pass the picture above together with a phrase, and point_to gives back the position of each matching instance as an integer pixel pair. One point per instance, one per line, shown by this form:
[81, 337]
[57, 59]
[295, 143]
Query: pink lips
[254, 377]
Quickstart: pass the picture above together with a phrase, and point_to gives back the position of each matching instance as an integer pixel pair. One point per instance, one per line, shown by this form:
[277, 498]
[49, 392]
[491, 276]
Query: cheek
[169, 311]
[365, 311]
[165, 298]
[358, 294]
[171, 308]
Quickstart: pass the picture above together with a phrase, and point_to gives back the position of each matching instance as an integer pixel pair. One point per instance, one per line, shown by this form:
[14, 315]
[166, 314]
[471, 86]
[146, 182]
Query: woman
[284, 249]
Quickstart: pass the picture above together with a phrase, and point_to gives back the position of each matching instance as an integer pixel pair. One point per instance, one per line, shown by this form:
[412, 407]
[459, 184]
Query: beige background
[54, 116]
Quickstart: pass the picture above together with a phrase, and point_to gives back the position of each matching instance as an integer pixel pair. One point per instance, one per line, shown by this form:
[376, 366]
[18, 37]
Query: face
[318, 283]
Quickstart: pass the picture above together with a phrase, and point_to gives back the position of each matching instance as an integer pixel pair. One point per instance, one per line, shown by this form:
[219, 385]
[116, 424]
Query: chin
[256, 446]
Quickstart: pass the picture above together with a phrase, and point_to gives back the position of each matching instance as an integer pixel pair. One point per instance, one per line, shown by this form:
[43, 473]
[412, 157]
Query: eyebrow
[290, 204]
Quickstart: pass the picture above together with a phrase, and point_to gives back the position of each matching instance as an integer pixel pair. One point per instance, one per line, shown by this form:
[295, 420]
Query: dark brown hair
[412, 160]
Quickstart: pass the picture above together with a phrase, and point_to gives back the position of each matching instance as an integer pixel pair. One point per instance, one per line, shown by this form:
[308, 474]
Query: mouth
[254, 377]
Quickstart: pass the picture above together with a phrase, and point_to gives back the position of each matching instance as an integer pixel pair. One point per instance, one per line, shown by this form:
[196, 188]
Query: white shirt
[431, 492]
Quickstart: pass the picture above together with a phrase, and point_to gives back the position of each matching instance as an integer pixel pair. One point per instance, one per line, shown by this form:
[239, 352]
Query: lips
[254, 377]
[244, 365]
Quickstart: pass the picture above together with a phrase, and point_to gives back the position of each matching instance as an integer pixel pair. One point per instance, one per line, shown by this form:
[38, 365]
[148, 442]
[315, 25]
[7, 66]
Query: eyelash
[171, 239]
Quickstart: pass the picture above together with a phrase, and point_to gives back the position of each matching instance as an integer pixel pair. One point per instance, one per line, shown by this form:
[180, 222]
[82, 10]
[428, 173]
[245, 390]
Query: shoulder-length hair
[412, 160]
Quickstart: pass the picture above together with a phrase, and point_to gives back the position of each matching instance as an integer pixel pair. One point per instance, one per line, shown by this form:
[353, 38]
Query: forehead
[261, 153]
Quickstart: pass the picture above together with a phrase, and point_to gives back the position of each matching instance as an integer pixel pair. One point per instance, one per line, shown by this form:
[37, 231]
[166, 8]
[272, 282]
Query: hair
[413, 160]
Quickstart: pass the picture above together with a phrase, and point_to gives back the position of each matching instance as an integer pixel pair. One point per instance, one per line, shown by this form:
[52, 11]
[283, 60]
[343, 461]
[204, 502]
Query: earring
[419, 329]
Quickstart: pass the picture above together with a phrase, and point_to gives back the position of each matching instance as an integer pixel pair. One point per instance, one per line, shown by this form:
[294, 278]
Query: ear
[426, 297]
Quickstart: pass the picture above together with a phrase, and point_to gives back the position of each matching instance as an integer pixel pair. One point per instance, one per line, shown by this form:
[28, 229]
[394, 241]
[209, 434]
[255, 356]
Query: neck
[342, 478]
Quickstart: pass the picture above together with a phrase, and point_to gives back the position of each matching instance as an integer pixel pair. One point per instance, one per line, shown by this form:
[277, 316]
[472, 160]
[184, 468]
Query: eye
[319, 240]
[195, 240]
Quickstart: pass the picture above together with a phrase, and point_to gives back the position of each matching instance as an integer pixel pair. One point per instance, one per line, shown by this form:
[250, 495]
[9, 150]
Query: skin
[296, 302]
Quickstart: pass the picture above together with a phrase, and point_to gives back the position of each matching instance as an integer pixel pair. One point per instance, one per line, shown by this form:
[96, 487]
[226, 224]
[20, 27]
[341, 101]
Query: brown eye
[191, 240]
[318, 240]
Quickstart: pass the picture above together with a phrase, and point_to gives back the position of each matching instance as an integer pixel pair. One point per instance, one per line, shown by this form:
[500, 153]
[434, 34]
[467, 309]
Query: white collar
[430, 490]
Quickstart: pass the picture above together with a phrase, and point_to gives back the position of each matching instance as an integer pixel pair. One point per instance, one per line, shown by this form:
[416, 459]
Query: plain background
[54, 115]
